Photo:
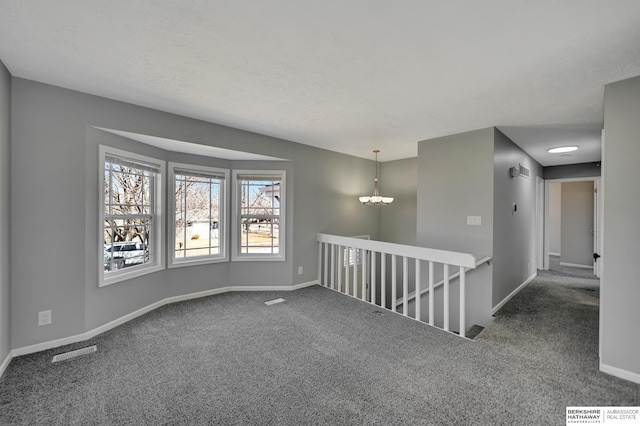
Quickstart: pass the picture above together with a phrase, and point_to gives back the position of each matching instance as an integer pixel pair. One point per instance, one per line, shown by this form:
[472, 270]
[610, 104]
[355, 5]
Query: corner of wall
[5, 216]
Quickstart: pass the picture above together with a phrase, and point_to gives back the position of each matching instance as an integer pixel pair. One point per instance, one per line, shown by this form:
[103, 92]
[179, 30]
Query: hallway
[551, 329]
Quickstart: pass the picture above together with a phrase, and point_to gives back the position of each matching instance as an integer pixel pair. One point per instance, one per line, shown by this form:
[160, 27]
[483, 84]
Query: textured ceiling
[345, 75]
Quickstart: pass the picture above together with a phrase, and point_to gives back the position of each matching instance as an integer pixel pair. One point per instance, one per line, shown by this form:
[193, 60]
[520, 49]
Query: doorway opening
[572, 231]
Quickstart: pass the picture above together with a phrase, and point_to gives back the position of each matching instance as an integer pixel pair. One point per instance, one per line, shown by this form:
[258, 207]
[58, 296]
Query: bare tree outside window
[198, 200]
[129, 212]
[260, 206]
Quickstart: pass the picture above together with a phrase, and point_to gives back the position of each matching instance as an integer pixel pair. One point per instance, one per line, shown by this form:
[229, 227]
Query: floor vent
[73, 354]
[274, 301]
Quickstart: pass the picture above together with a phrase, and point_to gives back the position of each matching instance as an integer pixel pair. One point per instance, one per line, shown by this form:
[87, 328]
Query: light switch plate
[474, 220]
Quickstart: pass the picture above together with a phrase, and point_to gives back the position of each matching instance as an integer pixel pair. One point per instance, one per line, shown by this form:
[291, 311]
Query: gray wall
[572, 171]
[468, 175]
[555, 218]
[399, 179]
[620, 289]
[455, 180]
[514, 236]
[5, 210]
[54, 206]
[577, 223]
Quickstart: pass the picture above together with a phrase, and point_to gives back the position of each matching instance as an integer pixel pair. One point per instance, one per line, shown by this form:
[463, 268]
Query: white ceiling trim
[190, 147]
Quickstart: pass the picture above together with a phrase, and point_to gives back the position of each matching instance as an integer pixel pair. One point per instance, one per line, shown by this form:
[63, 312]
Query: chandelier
[376, 199]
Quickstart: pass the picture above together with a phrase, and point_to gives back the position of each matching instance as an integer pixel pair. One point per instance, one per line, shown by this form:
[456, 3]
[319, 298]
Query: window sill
[257, 258]
[196, 262]
[128, 275]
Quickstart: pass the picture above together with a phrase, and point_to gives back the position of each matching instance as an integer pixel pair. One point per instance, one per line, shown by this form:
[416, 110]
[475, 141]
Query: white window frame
[222, 219]
[236, 254]
[156, 244]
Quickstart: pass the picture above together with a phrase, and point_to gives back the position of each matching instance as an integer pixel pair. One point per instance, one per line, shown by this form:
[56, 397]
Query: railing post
[431, 295]
[393, 282]
[405, 286]
[364, 274]
[347, 257]
[383, 280]
[355, 272]
[445, 319]
[373, 277]
[333, 266]
[339, 268]
[462, 302]
[326, 264]
[418, 298]
[320, 262]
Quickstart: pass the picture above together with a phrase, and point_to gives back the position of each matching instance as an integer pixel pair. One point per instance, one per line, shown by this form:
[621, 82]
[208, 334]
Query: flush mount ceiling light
[562, 149]
[376, 199]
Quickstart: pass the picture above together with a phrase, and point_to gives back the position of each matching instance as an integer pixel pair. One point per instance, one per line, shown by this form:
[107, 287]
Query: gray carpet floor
[324, 358]
[568, 271]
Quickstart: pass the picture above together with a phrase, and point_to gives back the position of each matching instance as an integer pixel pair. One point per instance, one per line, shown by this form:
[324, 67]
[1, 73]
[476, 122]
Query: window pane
[197, 209]
[260, 197]
[127, 191]
[260, 235]
[128, 200]
[126, 243]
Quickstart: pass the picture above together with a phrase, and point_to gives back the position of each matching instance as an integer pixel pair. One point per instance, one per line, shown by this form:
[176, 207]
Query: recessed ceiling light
[562, 149]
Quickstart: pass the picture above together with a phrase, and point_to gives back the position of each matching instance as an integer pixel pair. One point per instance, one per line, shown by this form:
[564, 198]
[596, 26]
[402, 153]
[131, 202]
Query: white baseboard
[126, 318]
[5, 363]
[273, 288]
[576, 265]
[48, 345]
[305, 285]
[618, 372]
[513, 293]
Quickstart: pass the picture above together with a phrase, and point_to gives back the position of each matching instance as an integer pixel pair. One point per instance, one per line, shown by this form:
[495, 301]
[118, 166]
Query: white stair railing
[348, 265]
[412, 295]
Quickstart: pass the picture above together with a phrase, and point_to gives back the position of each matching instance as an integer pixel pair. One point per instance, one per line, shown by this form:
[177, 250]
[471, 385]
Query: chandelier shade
[375, 199]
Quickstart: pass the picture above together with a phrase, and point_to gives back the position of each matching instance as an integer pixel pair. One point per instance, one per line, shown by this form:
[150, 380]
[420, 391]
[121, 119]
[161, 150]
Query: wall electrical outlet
[44, 318]
[300, 270]
[474, 220]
